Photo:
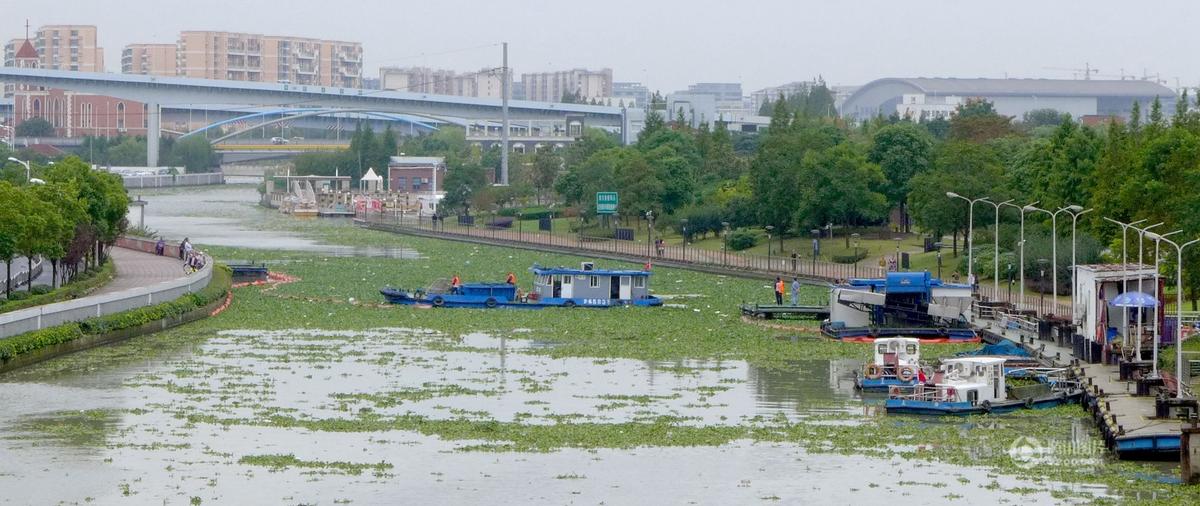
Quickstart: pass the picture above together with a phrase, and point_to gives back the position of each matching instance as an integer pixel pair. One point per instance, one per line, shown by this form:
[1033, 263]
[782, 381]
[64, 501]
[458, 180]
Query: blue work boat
[552, 287]
[976, 385]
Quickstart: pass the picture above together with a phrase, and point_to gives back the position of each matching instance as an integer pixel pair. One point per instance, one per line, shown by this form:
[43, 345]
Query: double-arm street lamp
[1021, 245]
[1054, 245]
[996, 247]
[1125, 270]
[28, 175]
[1158, 302]
[970, 231]
[1074, 266]
[1178, 306]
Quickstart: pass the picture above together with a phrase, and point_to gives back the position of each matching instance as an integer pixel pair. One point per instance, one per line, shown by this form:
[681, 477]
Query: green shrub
[527, 213]
[742, 239]
[83, 284]
[24, 343]
[29, 341]
[18, 295]
[849, 259]
[42, 289]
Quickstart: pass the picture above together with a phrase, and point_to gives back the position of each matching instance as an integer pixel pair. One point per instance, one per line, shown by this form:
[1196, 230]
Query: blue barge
[552, 287]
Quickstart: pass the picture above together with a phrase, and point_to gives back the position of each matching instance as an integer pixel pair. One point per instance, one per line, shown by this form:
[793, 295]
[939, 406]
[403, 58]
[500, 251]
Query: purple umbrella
[1135, 299]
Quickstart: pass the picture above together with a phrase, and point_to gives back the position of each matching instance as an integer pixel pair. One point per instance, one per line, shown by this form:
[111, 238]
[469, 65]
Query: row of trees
[69, 220]
[194, 153]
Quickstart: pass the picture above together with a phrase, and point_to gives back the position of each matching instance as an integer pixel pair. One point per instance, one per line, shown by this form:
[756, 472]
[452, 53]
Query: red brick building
[73, 114]
[416, 174]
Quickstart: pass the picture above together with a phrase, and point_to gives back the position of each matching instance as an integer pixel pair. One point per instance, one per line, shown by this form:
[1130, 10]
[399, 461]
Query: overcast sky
[668, 44]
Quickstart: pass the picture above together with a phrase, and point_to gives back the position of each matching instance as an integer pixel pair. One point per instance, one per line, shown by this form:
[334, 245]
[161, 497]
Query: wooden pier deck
[1127, 421]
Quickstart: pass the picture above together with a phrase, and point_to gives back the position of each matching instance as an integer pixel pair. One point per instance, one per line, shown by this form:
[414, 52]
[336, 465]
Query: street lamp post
[769, 229]
[520, 226]
[1021, 247]
[725, 243]
[897, 239]
[683, 222]
[1158, 302]
[970, 231]
[28, 176]
[1178, 306]
[996, 247]
[1125, 273]
[649, 233]
[1074, 266]
[1054, 246]
[855, 236]
[1141, 237]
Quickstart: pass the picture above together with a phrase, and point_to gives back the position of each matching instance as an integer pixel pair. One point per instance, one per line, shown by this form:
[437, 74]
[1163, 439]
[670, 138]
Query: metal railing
[784, 266]
[58, 313]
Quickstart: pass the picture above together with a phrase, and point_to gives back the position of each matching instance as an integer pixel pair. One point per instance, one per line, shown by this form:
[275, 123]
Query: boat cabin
[591, 284]
[972, 379]
[896, 352]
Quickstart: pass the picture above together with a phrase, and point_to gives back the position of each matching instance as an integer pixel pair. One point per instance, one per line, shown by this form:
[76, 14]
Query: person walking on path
[778, 291]
[795, 292]
[160, 246]
[182, 246]
[187, 249]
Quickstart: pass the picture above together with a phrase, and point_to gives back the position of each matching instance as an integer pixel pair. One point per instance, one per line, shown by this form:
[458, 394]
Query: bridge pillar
[153, 133]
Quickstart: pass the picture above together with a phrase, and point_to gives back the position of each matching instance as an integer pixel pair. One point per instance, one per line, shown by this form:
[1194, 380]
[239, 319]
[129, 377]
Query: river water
[217, 413]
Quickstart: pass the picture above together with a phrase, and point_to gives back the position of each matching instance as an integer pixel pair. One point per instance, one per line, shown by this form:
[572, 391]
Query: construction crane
[1087, 71]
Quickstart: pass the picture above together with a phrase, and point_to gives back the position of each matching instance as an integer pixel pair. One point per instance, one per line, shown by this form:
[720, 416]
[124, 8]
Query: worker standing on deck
[511, 279]
[778, 290]
[455, 284]
[795, 292]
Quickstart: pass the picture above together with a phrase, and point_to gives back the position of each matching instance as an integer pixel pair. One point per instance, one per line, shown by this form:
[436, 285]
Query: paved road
[135, 269]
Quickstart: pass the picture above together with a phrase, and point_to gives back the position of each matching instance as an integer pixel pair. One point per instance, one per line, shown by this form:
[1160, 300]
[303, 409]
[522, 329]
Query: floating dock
[1130, 421]
[776, 311]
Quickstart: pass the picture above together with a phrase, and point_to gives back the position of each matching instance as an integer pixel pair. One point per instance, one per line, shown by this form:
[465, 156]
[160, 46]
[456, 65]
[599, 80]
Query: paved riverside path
[137, 269]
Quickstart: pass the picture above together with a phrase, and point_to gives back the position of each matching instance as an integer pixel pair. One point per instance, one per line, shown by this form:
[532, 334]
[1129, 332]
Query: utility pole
[504, 119]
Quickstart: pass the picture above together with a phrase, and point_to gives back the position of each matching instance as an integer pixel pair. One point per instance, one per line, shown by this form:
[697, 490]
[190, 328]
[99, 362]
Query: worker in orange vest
[455, 284]
[779, 290]
[512, 279]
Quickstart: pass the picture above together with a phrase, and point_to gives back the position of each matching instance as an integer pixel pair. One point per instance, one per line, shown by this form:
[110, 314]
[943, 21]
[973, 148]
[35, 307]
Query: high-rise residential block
[484, 83]
[580, 84]
[269, 58]
[148, 59]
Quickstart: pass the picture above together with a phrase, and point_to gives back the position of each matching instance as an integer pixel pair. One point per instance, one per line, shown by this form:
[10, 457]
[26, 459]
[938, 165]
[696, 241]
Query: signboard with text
[606, 202]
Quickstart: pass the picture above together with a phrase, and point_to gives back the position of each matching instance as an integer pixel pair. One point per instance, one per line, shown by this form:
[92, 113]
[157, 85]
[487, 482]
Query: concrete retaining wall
[58, 313]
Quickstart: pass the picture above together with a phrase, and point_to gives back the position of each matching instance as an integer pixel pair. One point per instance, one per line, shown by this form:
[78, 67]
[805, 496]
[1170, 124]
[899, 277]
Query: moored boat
[552, 287]
[976, 385]
[902, 304]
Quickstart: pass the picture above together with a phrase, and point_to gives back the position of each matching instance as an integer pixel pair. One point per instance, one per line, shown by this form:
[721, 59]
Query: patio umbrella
[1135, 299]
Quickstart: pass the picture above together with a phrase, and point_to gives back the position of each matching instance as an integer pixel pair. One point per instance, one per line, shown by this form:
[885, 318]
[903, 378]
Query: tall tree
[901, 151]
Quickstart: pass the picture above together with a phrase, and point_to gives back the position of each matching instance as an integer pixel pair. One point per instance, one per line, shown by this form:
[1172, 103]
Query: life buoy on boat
[893, 390]
[905, 373]
[874, 371]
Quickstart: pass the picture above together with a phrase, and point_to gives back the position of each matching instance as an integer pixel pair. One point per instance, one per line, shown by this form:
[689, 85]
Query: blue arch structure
[293, 113]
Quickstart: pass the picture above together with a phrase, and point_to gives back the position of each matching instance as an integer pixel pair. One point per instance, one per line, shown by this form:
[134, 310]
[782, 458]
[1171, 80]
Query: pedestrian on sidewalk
[778, 291]
[160, 246]
[182, 247]
[795, 291]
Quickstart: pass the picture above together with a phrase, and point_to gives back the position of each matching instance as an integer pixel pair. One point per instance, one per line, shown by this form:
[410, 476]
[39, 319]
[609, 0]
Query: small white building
[1097, 285]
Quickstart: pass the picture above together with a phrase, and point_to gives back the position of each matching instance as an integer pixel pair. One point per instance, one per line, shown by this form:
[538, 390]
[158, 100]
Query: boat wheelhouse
[896, 363]
[588, 286]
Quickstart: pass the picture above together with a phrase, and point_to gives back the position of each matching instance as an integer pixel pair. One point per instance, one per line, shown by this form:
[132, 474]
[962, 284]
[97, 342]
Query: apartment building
[62, 47]
[148, 59]
[269, 58]
[487, 83]
[553, 86]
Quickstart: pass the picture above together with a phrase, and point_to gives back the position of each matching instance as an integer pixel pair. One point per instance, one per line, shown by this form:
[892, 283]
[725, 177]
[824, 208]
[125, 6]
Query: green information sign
[606, 202]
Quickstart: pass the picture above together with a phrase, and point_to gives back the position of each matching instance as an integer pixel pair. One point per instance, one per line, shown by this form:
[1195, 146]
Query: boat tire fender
[491, 302]
[569, 303]
[438, 301]
[987, 406]
[1029, 402]
[874, 371]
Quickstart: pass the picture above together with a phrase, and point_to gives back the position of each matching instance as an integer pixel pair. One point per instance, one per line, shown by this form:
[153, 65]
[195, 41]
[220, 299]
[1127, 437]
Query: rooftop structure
[1011, 97]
